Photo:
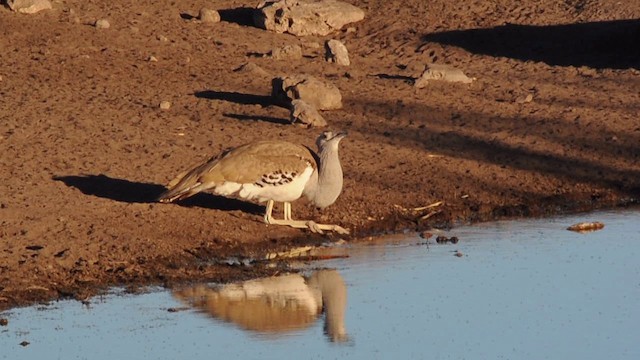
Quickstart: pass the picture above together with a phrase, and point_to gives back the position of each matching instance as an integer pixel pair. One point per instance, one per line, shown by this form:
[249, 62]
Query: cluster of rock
[304, 95]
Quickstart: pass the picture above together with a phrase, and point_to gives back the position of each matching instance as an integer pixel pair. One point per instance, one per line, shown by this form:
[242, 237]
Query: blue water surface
[521, 290]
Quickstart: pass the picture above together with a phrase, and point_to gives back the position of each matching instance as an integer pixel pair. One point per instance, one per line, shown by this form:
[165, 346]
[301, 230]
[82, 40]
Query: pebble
[165, 105]
[152, 59]
[4, 322]
[208, 16]
[102, 24]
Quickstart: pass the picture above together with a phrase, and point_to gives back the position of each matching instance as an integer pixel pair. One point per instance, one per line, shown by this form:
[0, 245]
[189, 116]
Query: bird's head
[330, 139]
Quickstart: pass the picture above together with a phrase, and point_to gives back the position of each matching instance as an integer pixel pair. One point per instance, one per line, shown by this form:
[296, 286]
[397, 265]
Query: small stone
[587, 71]
[252, 69]
[29, 6]
[165, 105]
[162, 38]
[442, 73]
[323, 96]
[4, 322]
[458, 254]
[102, 24]
[337, 53]
[306, 114]
[152, 59]
[312, 45]
[25, 343]
[287, 52]
[208, 16]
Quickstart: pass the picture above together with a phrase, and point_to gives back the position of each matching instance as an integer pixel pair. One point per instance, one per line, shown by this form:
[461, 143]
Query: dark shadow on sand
[605, 44]
[138, 192]
[270, 119]
[242, 15]
[239, 98]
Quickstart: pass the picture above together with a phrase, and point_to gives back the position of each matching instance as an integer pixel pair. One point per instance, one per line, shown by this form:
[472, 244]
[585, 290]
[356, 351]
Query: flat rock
[336, 52]
[442, 73]
[321, 95]
[302, 18]
[29, 6]
[306, 114]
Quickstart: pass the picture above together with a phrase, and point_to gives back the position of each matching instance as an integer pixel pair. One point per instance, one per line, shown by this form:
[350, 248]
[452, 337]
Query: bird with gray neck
[271, 171]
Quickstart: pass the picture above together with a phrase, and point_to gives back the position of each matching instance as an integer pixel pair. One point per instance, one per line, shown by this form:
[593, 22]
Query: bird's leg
[267, 214]
[287, 210]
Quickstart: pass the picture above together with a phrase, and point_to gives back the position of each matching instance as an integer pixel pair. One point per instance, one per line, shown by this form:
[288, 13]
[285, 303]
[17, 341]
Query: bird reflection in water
[276, 304]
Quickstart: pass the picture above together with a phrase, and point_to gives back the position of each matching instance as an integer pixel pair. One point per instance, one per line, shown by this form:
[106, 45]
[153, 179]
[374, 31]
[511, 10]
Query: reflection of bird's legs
[300, 224]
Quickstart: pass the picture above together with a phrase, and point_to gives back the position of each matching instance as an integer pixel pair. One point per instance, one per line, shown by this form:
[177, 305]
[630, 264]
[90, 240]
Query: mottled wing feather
[248, 163]
[245, 164]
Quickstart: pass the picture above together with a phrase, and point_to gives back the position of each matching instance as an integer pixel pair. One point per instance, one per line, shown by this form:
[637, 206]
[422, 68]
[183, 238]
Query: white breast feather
[289, 191]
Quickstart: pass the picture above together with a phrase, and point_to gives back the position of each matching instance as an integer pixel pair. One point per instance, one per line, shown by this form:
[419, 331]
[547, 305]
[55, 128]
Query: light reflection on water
[521, 290]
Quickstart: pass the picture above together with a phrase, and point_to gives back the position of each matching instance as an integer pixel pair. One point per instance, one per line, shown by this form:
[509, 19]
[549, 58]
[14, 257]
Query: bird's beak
[341, 134]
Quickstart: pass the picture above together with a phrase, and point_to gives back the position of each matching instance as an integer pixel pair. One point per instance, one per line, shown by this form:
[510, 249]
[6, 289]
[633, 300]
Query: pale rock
[287, 52]
[302, 18]
[102, 24]
[29, 6]
[165, 105]
[337, 53]
[306, 114]
[209, 16]
[321, 95]
[443, 73]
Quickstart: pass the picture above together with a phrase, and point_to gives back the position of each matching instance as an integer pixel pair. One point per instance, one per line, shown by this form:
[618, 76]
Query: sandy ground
[86, 148]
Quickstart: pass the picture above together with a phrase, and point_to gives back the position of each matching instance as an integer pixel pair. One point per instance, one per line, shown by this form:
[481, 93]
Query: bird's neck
[329, 169]
[326, 183]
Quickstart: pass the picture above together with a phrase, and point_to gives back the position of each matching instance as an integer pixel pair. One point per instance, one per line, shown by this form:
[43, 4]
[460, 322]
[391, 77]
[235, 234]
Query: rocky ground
[550, 125]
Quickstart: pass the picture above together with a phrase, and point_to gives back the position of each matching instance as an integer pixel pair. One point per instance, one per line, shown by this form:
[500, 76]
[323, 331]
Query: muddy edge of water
[199, 264]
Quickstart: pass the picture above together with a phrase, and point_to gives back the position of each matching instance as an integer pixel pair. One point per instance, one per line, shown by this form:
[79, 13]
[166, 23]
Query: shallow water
[520, 290]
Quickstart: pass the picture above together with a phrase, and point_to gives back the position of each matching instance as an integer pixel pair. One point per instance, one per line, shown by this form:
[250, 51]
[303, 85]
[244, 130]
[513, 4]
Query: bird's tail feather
[183, 186]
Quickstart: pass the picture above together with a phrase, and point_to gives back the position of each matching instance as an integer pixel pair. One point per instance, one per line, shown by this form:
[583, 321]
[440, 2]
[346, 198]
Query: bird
[271, 171]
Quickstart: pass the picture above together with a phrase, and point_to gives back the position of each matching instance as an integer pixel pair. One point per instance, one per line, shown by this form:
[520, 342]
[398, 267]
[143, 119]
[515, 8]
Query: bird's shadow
[138, 192]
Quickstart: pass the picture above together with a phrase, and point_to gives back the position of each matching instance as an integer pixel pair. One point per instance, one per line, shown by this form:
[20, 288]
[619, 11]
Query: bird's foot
[320, 228]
